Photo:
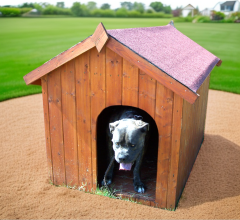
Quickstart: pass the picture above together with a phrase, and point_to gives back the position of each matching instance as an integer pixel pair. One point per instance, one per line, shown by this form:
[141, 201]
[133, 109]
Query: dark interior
[123, 180]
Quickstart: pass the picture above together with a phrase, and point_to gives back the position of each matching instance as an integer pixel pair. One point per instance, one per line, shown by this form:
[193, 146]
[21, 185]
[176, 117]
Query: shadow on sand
[215, 174]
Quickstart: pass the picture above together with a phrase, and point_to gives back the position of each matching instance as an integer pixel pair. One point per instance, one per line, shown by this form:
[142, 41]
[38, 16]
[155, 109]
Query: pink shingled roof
[171, 51]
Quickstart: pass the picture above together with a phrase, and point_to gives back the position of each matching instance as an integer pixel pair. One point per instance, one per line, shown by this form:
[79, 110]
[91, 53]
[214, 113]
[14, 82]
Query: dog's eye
[117, 143]
[131, 145]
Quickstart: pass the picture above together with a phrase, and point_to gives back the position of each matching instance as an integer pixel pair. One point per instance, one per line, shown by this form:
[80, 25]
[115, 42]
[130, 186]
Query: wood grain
[56, 127]
[130, 84]
[147, 93]
[83, 89]
[163, 119]
[59, 60]
[152, 71]
[113, 78]
[98, 103]
[47, 124]
[69, 122]
[192, 134]
[175, 148]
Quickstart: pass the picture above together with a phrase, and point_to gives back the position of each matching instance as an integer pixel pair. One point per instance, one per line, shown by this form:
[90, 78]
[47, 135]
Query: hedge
[10, 12]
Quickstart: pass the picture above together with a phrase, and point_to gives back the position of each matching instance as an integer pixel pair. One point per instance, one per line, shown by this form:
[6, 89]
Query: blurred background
[31, 33]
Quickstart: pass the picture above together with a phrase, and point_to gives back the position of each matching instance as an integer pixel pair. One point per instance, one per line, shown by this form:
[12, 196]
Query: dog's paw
[108, 182]
[140, 188]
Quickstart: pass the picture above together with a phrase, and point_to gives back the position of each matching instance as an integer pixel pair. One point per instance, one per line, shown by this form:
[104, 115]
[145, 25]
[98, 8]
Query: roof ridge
[138, 28]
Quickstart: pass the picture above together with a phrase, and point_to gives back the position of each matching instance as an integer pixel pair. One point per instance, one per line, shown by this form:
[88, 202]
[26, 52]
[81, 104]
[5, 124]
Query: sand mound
[212, 191]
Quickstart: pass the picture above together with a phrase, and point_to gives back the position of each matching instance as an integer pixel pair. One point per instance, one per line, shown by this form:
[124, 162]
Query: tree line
[90, 9]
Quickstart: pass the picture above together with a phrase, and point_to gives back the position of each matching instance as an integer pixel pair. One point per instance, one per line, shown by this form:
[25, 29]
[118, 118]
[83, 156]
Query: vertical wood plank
[130, 84]
[98, 101]
[69, 122]
[47, 124]
[56, 127]
[83, 89]
[147, 93]
[192, 134]
[175, 148]
[163, 119]
[113, 78]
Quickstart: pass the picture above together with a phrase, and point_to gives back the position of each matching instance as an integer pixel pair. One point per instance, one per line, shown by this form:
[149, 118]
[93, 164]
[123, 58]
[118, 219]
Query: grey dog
[127, 136]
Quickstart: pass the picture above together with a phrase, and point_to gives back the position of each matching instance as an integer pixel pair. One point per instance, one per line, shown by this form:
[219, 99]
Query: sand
[212, 190]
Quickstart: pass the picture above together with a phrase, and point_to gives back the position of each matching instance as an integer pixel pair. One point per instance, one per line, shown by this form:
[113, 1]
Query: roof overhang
[188, 7]
[100, 38]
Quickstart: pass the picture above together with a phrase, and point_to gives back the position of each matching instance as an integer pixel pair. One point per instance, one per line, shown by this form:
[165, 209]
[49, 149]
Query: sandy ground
[212, 191]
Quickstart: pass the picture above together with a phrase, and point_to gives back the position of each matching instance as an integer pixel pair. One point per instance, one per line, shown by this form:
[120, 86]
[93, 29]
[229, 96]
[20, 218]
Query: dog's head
[128, 139]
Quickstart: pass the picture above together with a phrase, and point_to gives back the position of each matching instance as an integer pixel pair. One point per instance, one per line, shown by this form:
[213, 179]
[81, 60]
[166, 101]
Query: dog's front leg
[109, 172]
[138, 185]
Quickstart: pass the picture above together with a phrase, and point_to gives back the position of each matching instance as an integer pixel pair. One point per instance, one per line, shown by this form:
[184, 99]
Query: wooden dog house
[156, 69]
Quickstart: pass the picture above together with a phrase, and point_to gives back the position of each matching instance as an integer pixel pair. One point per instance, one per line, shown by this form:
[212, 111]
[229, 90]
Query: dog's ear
[113, 125]
[144, 126]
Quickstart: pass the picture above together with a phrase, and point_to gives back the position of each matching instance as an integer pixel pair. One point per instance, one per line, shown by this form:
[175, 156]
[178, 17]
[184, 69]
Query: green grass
[27, 43]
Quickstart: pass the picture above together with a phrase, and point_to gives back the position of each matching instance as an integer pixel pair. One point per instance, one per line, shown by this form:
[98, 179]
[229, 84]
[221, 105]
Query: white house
[187, 9]
[227, 7]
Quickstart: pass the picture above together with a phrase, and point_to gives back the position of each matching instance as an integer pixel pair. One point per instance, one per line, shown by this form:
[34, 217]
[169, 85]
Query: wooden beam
[175, 151]
[98, 100]
[152, 71]
[58, 61]
[37, 82]
[56, 126]
[83, 98]
[69, 122]
[219, 63]
[47, 124]
[163, 119]
[100, 37]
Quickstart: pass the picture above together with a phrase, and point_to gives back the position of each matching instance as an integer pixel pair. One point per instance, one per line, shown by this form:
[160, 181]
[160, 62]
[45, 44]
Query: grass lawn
[27, 43]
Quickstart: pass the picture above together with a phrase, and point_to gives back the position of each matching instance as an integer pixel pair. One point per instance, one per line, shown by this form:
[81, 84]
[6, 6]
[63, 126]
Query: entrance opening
[123, 180]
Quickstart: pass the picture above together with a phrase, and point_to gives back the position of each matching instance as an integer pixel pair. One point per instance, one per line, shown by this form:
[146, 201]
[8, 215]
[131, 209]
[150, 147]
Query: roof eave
[59, 60]
[98, 39]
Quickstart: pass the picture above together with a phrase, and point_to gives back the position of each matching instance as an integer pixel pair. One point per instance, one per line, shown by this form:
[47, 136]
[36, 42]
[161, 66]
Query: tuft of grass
[102, 191]
[106, 191]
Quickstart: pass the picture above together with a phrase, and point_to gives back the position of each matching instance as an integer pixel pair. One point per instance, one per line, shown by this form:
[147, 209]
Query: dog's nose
[122, 158]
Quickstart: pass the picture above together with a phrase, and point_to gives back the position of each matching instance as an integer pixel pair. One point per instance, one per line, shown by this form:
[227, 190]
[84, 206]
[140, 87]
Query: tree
[127, 5]
[76, 9]
[122, 12]
[105, 6]
[27, 5]
[138, 6]
[44, 4]
[167, 9]
[38, 7]
[60, 4]
[91, 5]
[157, 6]
[177, 12]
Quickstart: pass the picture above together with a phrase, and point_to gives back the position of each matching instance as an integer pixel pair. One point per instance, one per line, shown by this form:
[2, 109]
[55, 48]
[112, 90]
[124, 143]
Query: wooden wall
[192, 134]
[76, 93]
